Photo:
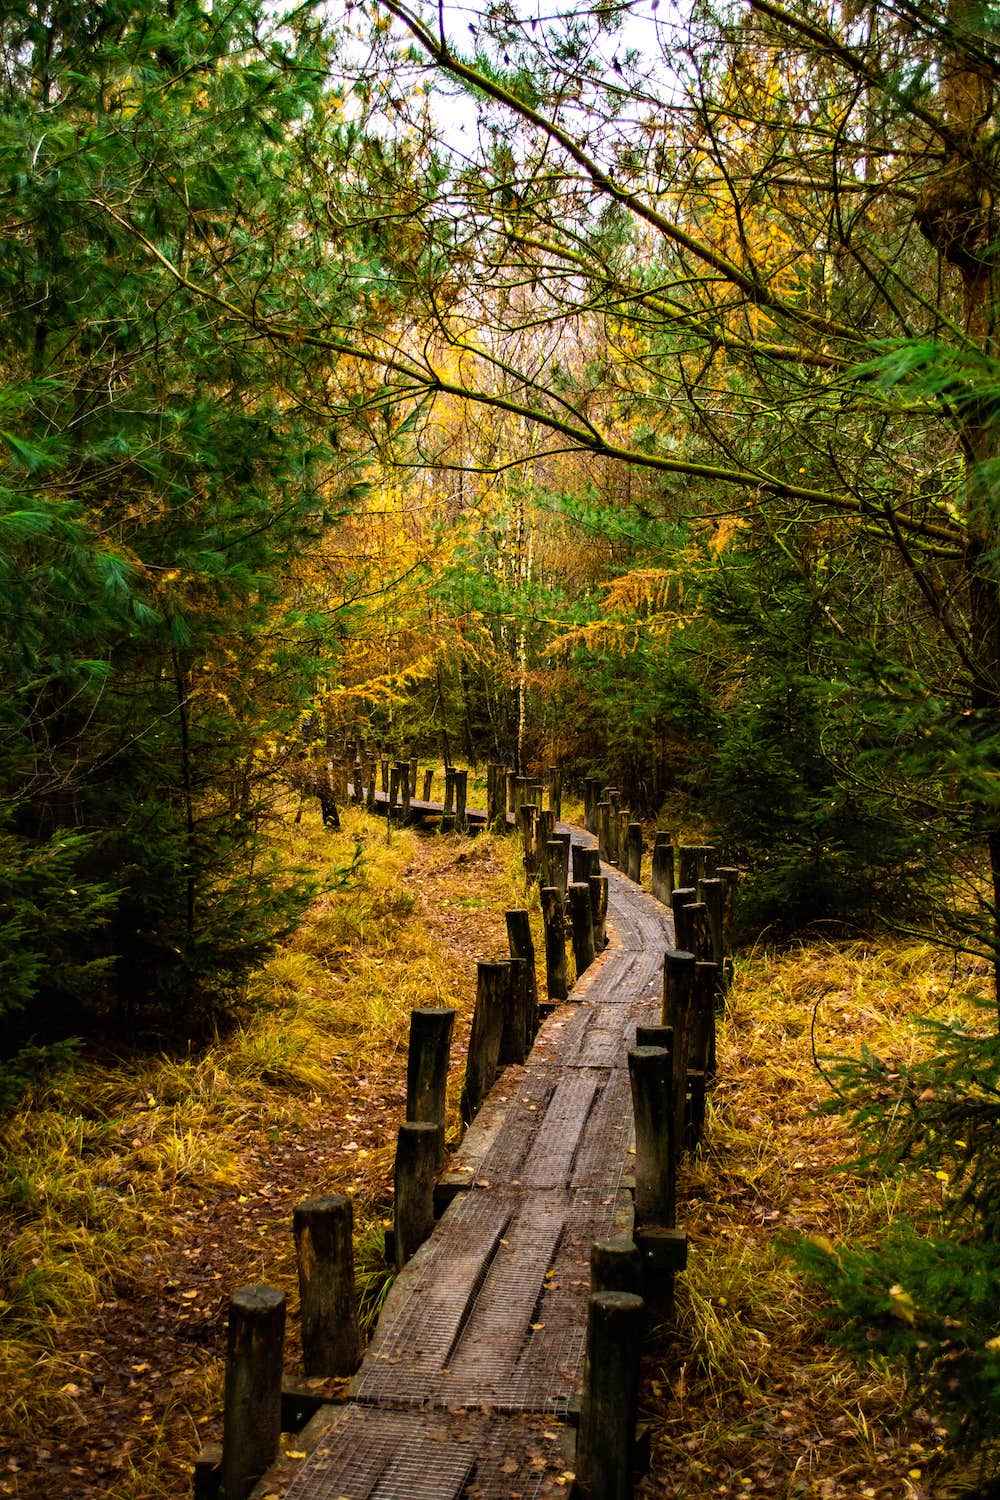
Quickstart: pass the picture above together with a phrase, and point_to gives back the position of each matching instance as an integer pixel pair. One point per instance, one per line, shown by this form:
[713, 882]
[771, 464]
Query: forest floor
[138, 1195]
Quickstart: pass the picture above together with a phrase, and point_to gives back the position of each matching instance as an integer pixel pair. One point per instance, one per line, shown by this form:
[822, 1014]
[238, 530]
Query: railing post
[585, 862]
[713, 894]
[555, 791]
[427, 1068]
[582, 923]
[655, 1151]
[403, 770]
[413, 1187]
[461, 799]
[251, 1421]
[555, 942]
[599, 907]
[682, 897]
[610, 1396]
[517, 1032]
[616, 1266]
[633, 852]
[492, 990]
[678, 988]
[324, 1250]
[522, 946]
[527, 817]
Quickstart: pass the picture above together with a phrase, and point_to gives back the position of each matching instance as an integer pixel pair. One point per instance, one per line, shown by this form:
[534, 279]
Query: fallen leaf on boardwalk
[536, 1326]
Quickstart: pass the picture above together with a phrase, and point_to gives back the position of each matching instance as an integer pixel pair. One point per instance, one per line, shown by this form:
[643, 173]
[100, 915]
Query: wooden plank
[557, 1138]
[368, 1454]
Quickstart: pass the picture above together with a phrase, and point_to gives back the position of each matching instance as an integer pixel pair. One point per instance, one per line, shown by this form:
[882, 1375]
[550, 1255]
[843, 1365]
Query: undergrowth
[752, 1396]
[106, 1157]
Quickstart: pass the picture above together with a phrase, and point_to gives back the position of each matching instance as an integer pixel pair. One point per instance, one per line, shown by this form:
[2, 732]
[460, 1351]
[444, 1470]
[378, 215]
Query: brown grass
[136, 1196]
[749, 1397]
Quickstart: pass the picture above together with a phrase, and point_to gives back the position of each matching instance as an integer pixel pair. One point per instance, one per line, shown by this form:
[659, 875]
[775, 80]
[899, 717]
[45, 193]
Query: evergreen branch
[752, 288]
[428, 381]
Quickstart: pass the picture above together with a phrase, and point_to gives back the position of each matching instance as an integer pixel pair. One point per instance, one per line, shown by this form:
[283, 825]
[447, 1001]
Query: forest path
[479, 1349]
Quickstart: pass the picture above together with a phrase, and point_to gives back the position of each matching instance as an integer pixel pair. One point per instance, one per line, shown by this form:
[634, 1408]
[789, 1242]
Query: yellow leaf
[902, 1304]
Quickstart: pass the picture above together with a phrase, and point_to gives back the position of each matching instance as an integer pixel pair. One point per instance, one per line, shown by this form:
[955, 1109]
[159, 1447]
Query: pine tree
[158, 486]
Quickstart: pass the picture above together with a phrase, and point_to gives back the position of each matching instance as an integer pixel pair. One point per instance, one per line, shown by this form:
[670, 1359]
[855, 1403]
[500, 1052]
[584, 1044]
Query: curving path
[478, 1353]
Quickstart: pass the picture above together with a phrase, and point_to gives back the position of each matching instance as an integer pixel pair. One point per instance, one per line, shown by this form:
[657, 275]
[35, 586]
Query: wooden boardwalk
[419, 811]
[478, 1354]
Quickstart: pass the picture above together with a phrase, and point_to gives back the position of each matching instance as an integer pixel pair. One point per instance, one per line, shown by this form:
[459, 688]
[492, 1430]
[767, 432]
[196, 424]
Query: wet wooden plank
[368, 1454]
[458, 1329]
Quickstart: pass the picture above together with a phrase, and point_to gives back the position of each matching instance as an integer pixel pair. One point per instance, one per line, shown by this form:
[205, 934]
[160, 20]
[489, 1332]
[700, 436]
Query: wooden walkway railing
[468, 1385]
[563, 1187]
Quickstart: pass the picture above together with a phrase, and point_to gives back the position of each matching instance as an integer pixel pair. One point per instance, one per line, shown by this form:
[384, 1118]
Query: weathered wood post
[515, 1036]
[683, 896]
[555, 792]
[610, 796]
[461, 800]
[544, 835]
[326, 793]
[696, 862]
[383, 768]
[633, 852]
[661, 879]
[495, 801]
[527, 817]
[606, 1436]
[555, 851]
[404, 788]
[413, 1187]
[655, 1124]
[599, 907]
[372, 788]
[678, 988]
[555, 942]
[616, 1266]
[357, 783]
[448, 806]
[729, 876]
[324, 1251]
[712, 893]
[581, 917]
[601, 812]
[655, 1036]
[585, 862]
[520, 792]
[428, 783]
[393, 793]
[566, 839]
[251, 1419]
[427, 1068]
[707, 982]
[694, 1127]
[522, 946]
[699, 939]
[492, 991]
[591, 785]
[414, 767]
[512, 793]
